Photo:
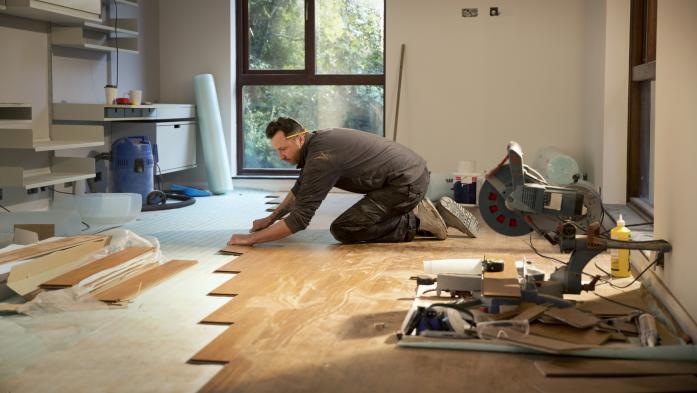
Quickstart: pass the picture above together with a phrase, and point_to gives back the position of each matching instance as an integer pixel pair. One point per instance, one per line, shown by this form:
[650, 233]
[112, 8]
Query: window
[320, 62]
[642, 84]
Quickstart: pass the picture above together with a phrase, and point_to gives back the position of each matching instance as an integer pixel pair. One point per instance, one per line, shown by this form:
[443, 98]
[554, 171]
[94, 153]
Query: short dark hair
[286, 124]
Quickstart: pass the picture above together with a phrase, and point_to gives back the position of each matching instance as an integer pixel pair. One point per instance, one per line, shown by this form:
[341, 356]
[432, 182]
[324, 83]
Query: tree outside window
[320, 62]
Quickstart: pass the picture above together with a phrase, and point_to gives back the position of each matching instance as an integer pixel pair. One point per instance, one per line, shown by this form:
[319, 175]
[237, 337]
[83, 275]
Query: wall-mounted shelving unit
[110, 113]
[56, 11]
[126, 27]
[90, 39]
[16, 132]
[61, 170]
[132, 3]
[14, 136]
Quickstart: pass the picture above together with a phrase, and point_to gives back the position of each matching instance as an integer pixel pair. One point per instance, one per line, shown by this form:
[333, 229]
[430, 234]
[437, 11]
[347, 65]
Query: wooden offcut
[530, 312]
[504, 283]
[75, 276]
[130, 288]
[569, 334]
[47, 248]
[44, 231]
[573, 317]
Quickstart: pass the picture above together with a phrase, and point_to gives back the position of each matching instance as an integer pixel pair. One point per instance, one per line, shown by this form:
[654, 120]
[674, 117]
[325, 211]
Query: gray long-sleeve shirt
[351, 160]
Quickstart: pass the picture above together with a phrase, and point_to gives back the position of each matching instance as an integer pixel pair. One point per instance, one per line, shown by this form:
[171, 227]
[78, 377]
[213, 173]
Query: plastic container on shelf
[102, 208]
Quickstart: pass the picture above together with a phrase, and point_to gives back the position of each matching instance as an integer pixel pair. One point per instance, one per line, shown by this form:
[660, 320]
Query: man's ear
[301, 139]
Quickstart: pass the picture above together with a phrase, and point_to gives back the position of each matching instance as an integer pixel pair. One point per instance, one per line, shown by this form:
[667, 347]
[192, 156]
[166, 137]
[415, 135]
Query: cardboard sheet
[570, 334]
[573, 316]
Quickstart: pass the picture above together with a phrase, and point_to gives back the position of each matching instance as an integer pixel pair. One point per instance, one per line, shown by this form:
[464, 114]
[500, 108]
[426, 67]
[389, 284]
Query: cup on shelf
[111, 92]
[136, 96]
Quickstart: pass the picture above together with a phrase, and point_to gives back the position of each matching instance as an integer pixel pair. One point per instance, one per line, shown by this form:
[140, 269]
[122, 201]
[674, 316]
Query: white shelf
[52, 11]
[78, 37]
[126, 27]
[97, 112]
[62, 170]
[132, 3]
[15, 136]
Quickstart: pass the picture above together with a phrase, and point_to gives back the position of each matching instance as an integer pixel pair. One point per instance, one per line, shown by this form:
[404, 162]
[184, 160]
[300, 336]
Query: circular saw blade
[492, 206]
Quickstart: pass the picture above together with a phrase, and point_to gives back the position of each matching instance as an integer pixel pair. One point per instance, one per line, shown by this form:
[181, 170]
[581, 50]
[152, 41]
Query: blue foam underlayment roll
[212, 138]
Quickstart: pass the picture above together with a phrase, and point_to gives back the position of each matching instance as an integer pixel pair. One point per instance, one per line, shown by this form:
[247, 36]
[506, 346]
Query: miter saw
[516, 200]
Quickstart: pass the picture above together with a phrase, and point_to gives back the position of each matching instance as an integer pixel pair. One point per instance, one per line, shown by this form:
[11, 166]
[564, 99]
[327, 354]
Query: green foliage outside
[349, 41]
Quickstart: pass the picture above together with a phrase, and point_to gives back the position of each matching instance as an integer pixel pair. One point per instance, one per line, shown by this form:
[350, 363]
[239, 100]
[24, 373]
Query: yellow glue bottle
[619, 259]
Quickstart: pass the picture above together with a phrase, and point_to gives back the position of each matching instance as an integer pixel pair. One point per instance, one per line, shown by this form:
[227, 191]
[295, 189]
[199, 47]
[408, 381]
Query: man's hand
[241, 240]
[261, 223]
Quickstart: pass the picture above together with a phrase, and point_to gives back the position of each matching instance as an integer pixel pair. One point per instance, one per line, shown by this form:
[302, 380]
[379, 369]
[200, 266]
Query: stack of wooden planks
[69, 262]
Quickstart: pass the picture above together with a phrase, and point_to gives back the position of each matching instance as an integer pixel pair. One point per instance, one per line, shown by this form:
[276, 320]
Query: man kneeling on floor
[393, 179]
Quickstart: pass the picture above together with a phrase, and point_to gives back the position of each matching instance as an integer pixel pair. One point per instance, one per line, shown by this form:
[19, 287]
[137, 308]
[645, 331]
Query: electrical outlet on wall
[470, 12]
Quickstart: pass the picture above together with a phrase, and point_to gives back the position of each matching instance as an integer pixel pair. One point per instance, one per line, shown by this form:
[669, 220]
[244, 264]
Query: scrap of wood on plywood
[47, 247]
[132, 287]
[504, 283]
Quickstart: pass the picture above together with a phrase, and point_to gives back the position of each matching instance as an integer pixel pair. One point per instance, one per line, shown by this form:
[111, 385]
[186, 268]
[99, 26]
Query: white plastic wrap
[78, 298]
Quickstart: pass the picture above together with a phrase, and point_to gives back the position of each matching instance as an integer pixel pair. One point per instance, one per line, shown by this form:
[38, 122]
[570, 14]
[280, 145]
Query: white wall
[675, 189]
[80, 76]
[471, 85]
[198, 42]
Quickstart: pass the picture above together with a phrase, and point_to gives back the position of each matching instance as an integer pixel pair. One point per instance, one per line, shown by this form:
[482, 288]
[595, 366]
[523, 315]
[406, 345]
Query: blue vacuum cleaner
[132, 169]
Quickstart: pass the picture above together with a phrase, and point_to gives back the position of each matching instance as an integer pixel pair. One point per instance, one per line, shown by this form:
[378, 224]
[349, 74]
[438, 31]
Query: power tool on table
[516, 200]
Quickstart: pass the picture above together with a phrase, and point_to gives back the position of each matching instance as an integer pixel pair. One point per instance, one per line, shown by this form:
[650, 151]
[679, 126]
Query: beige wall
[194, 43]
[594, 64]
[615, 103]
[675, 189]
[471, 85]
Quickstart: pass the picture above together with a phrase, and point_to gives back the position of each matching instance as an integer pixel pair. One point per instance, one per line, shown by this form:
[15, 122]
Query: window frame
[642, 70]
[306, 77]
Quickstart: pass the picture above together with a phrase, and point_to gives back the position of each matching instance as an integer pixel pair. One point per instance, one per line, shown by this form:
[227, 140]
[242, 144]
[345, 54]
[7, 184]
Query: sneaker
[429, 219]
[458, 217]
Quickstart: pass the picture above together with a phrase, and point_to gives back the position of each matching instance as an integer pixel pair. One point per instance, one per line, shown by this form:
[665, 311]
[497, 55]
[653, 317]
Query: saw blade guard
[492, 205]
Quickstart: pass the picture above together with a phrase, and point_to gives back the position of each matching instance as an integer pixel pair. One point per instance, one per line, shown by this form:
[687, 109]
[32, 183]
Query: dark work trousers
[384, 215]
